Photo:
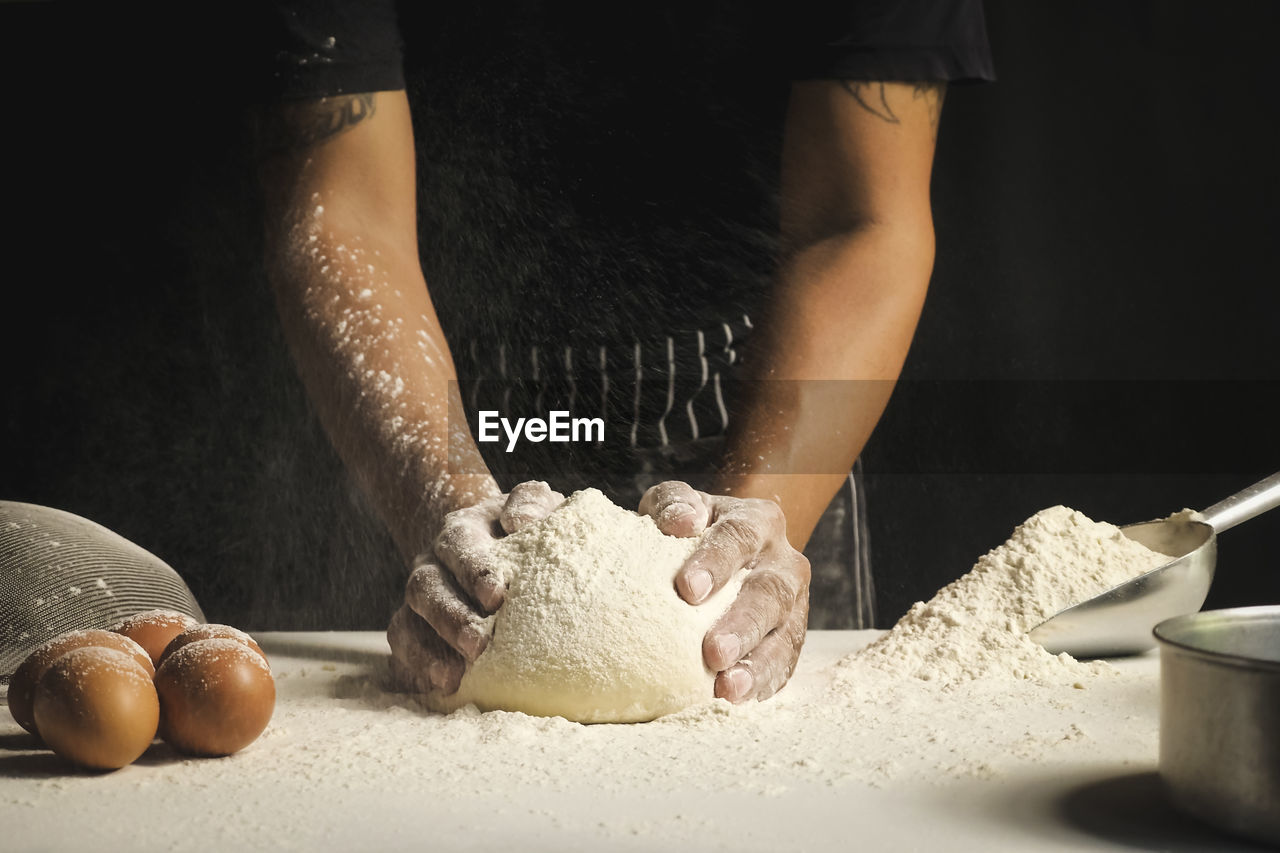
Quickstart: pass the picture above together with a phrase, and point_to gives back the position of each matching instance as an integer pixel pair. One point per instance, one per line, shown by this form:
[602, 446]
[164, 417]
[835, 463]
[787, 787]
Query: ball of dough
[592, 628]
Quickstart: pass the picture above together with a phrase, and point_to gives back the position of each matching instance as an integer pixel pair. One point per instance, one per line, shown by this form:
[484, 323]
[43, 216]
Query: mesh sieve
[60, 572]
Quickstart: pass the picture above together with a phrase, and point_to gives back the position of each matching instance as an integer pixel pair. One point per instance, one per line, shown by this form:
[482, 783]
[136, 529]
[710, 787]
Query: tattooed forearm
[872, 96]
[295, 126]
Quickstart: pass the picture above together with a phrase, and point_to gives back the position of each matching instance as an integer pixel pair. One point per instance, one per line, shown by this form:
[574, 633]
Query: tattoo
[296, 126]
[871, 96]
[933, 94]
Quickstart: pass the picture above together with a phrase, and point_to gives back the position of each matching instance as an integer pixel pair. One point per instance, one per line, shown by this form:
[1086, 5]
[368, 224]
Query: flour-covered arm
[342, 252]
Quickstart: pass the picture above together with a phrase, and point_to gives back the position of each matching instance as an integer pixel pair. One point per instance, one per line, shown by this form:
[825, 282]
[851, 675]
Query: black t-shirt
[606, 173]
[597, 186]
[330, 47]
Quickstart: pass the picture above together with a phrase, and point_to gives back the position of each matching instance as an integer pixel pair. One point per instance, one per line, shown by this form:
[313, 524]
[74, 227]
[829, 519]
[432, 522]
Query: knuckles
[420, 580]
[449, 543]
[526, 503]
[528, 490]
[764, 515]
[778, 586]
[771, 514]
[752, 523]
[801, 568]
[739, 531]
[668, 491]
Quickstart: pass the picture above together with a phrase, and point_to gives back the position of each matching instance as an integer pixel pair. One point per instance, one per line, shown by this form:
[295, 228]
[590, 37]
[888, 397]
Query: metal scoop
[1119, 621]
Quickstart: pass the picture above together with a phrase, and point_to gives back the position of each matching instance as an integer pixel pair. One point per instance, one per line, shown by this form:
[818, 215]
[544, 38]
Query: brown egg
[153, 629]
[209, 631]
[216, 697]
[22, 686]
[97, 707]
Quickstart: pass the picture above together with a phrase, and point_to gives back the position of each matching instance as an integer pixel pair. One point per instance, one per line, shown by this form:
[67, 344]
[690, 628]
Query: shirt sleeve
[905, 40]
[318, 48]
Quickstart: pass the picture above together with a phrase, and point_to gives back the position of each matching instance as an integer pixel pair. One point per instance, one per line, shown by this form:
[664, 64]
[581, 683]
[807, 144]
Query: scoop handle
[1244, 504]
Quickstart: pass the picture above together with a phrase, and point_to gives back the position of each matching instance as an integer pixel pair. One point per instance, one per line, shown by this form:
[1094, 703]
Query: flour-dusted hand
[755, 645]
[452, 589]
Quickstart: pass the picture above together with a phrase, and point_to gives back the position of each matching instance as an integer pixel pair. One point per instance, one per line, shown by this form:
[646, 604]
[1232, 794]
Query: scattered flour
[953, 697]
[592, 629]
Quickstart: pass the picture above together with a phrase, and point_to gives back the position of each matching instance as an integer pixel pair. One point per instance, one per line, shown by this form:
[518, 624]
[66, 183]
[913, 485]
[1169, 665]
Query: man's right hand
[444, 622]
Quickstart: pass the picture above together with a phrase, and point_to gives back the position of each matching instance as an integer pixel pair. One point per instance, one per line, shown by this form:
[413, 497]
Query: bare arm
[858, 232]
[342, 255]
[858, 235]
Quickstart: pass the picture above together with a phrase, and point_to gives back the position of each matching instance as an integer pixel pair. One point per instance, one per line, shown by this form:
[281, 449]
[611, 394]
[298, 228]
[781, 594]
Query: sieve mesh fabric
[60, 572]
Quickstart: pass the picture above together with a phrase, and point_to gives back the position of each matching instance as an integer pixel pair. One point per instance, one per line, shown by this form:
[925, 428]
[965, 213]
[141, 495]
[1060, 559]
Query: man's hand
[443, 623]
[755, 644]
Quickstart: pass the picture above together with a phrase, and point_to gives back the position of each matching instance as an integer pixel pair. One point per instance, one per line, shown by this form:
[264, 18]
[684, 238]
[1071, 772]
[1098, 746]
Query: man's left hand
[754, 646]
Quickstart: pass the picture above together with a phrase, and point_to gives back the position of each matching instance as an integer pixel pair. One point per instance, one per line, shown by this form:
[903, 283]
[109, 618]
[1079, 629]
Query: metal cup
[1220, 717]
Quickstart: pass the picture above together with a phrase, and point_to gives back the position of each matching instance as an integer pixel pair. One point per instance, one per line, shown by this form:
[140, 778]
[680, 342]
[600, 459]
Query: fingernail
[698, 584]
[675, 511]
[728, 648]
[740, 683]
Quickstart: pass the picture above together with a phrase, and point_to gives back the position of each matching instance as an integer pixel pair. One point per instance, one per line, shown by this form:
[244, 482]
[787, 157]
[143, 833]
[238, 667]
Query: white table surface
[164, 802]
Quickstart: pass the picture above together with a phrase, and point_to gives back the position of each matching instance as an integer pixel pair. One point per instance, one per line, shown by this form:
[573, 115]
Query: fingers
[443, 592]
[677, 508]
[739, 531]
[438, 630]
[420, 660]
[463, 548]
[434, 595]
[527, 503]
[770, 665]
[766, 599]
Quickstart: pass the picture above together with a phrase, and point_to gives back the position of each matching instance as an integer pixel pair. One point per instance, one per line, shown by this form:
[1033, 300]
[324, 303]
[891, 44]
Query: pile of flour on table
[977, 626]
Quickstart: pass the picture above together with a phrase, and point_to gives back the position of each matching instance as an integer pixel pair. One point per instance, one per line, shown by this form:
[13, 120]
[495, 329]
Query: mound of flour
[592, 629]
[977, 626]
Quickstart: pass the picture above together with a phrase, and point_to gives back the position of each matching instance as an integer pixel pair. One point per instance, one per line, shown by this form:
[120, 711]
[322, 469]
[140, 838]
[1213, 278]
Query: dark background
[1103, 323]
[1100, 332]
